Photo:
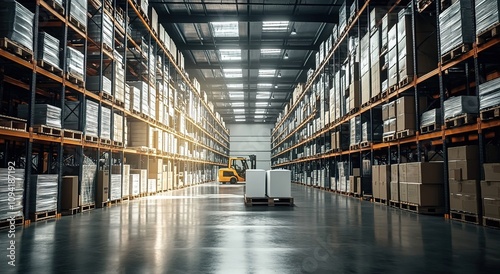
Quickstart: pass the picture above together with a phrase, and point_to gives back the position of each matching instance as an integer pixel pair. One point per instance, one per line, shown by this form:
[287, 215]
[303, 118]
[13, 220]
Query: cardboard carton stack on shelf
[372, 129]
[392, 56]
[118, 124]
[430, 120]
[102, 191]
[353, 181]
[365, 69]
[155, 172]
[421, 184]
[375, 63]
[490, 191]
[48, 49]
[143, 180]
[344, 15]
[394, 188]
[135, 184]
[406, 113]
[78, 12]
[389, 118]
[460, 105]
[74, 63]
[489, 94]
[105, 123]
[16, 24]
[487, 15]
[97, 84]
[463, 174]
[115, 187]
[101, 22]
[388, 21]
[69, 195]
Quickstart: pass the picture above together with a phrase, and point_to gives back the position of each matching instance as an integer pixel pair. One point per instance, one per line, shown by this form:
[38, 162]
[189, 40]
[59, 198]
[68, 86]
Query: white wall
[247, 139]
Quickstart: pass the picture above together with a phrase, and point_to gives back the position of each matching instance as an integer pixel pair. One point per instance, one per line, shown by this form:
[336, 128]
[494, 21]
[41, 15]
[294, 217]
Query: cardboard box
[425, 173]
[470, 204]
[456, 202]
[425, 194]
[491, 208]
[470, 153]
[255, 183]
[403, 191]
[405, 121]
[463, 187]
[352, 184]
[492, 172]
[405, 104]
[376, 85]
[365, 88]
[69, 195]
[385, 173]
[385, 112]
[376, 181]
[359, 189]
[384, 190]
[356, 172]
[279, 183]
[394, 191]
[468, 170]
[394, 173]
[402, 172]
[102, 187]
[490, 190]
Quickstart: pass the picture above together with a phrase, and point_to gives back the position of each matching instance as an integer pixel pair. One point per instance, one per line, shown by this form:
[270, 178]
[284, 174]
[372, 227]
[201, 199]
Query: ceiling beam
[282, 80]
[187, 19]
[272, 101]
[274, 3]
[244, 65]
[246, 46]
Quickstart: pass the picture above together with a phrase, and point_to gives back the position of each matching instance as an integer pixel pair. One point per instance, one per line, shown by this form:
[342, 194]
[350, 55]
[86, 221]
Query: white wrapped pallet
[96, 30]
[78, 11]
[135, 183]
[43, 192]
[487, 15]
[279, 183]
[75, 63]
[126, 181]
[455, 25]
[97, 84]
[91, 118]
[489, 94]
[458, 105]
[87, 191]
[151, 186]
[135, 99]
[105, 123]
[117, 127]
[16, 23]
[115, 187]
[11, 180]
[48, 49]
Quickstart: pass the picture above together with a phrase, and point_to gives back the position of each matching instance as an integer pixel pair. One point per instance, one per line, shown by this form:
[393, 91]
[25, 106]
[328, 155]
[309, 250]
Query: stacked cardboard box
[405, 109]
[463, 170]
[115, 187]
[490, 190]
[355, 126]
[389, 118]
[392, 45]
[372, 131]
[117, 127]
[102, 192]
[421, 184]
[394, 183]
[388, 21]
[143, 180]
[156, 172]
[431, 117]
[381, 175]
[353, 181]
[344, 13]
[374, 63]
[69, 189]
[105, 123]
[135, 184]
[365, 69]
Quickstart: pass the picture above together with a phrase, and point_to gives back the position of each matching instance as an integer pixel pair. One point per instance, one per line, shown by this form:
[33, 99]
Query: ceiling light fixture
[279, 74]
[275, 86]
[294, 32]
[286, 56]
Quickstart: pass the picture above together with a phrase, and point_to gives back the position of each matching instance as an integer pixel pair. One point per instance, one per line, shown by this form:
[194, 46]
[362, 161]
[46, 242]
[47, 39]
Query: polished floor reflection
[207, 229]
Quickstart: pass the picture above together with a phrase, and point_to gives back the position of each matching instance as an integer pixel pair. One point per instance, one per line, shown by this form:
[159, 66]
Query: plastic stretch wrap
[92, 84]
[105, 123]
[117, 127]
[91, 118]
[343, 16]
[455, 106]
[489, 94]
[78, 10]
[44, 114]
[389, 126]
[43, 192]
[152, 102]
[11, 181]
[431, 117]
[355, 126]
[126, 181]
[127, 98]
[151, 185]
[135, 95]
[16, 23]
[144, 98]
[134, 187]
[48, 49]
[89, 171]
[74, 62]
[107, 30]
[456, 26]
[487, 14]
[115, 187]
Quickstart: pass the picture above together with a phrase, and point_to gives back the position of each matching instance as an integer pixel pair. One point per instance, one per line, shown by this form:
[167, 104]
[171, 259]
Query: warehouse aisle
[207, 229]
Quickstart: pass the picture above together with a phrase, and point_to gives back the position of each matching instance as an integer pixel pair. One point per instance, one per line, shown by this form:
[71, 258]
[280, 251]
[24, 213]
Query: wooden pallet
[463, 119]
[136, 112]
[366, 104]
[72, 134]
[423, 4]
[103, 141]
[56, 6]
[465, 217]
[395, 204]
[91, 139]
[376, 98]
[490, 113]
[85, 208]
[46, 130]
[491, 222]
[422, 209]
[115, 202]
[405, 81]
[77, 80]
[11, 46]
[454, 53]
[430, 128]
[54, 69]
[365, 144]
[393, 88]
[354, 147]
[103, 204]
[405, 133]
[11, 124]
[268, 201]
[380, 201]
[389, 137]
[486, 35]
[44, 215]
[72, 211]
[119, 103]
[106, 96]
[117, 144]
[17, 221]
[352, 111]
[77, 24]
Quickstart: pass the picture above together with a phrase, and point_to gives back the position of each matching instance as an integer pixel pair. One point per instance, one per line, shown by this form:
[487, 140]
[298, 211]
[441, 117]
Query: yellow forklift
[236, 169]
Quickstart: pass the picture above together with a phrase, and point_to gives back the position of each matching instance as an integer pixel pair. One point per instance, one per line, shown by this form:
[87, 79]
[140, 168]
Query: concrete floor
[207, 229]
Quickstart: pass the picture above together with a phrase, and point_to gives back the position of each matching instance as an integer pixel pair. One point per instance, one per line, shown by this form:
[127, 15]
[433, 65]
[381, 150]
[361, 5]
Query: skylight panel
[260, 111]
[267, 72]
[264, 85]
[230, 54]
[225, 29]
[275, 26]
[235, 86]
[261, 104]
[232, 73]
[270, 53]
[239, 110]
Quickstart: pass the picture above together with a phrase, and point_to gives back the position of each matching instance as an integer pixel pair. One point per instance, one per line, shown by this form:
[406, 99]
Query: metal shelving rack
[481, 132]
[55, 152]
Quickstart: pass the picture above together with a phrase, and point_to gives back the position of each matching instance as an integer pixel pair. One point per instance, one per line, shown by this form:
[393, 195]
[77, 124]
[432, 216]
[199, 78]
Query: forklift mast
[253, 161]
